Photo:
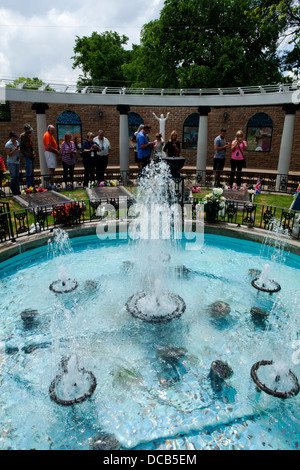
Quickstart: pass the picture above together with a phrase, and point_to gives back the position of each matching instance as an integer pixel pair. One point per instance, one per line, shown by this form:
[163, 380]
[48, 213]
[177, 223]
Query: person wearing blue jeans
[26, 150]
[13, 162]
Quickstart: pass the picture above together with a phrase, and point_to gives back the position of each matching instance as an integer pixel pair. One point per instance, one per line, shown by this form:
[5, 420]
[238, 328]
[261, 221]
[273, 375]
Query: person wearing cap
[220, 146]
[144, 146]
[51, 151]
[13, 162]
[27, 152]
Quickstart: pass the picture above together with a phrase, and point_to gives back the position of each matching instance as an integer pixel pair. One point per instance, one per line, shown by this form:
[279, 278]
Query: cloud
[38, 41]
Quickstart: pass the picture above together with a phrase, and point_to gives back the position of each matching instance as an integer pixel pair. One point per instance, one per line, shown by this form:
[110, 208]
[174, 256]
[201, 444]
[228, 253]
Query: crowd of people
[95, 153]
[146, 149]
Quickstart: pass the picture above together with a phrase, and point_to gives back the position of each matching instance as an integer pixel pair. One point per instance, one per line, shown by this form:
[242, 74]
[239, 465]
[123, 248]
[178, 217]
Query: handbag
[244, 164]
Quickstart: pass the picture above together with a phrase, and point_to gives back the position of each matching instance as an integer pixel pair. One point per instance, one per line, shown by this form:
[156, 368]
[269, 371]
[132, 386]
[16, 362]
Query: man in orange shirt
[51, 151]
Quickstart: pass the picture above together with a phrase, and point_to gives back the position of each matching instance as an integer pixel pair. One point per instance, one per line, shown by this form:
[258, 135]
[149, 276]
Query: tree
[207, 43]
[288, 13]
[101, 57]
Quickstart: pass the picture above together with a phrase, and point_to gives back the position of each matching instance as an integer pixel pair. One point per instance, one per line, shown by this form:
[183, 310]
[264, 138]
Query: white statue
[162, 121]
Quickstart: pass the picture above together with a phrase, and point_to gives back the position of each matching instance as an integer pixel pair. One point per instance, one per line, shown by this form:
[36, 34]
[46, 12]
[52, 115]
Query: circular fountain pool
[154, 386]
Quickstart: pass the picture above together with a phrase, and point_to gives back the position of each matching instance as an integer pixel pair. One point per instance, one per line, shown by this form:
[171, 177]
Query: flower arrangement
[196, 189]
[34, 189]
[4, 173]
[107, 183]
[214, 202]
[67, 214]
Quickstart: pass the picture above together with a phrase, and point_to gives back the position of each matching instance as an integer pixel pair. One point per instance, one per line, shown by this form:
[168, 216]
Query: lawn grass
[264, 199]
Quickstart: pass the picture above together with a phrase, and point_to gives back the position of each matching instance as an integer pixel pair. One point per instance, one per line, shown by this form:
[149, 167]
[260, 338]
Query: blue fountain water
[152, 378]
[154, 388]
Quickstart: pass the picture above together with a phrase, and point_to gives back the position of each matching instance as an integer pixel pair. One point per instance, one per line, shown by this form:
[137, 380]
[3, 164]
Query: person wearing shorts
[51, 152]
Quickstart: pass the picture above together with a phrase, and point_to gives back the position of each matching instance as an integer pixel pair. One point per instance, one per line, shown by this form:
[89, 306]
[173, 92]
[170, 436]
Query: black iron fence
[29, 221]
[270, 182]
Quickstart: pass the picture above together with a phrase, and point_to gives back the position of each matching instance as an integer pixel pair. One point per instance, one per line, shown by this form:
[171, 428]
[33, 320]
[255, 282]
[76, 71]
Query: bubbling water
[159, 222]
[273, 248]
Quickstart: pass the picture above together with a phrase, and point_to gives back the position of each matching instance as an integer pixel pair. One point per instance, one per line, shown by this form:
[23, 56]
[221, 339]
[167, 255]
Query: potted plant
[214, 202]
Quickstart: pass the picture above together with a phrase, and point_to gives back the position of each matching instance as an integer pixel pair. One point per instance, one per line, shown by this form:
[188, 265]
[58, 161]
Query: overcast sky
[37, 38]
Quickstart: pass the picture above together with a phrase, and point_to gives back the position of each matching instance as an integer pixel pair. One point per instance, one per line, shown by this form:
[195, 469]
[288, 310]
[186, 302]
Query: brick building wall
[238, 117]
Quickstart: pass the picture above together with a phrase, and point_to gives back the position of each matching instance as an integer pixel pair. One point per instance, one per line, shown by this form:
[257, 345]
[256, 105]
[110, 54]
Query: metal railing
[49, 86]
[288, 184]
[29, 221]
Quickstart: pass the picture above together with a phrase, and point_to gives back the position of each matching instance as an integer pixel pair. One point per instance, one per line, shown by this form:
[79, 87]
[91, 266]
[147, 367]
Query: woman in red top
[238, 148]
[51, 152]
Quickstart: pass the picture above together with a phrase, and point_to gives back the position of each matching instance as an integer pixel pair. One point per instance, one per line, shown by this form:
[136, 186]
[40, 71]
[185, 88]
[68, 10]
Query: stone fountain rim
[156, 318]
[289, 394]
[51, 287]
[265, 289]
[9, 250]
[81, 398]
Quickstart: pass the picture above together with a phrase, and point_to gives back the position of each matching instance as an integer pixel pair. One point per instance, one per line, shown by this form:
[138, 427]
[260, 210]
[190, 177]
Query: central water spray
[159, 222]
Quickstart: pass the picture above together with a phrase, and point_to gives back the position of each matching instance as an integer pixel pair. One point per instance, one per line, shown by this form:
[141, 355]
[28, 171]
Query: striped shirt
[68, 158]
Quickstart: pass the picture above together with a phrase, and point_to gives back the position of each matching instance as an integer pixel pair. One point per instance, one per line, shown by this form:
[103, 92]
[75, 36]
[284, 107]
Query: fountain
[61, 246]
[277, 379]
[263, 282]
[157, 197]
[274, 245]
[156, 347]
[73, 385]
[154, 308]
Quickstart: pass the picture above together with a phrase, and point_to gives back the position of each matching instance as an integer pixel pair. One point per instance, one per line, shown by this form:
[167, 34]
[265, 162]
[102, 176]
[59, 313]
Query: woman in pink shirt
[68, 152]
[238, 148]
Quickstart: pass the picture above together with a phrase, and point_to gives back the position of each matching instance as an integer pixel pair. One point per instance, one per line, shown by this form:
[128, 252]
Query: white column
[202, 143]
[41, 127]
[286, 145]
[124, 142]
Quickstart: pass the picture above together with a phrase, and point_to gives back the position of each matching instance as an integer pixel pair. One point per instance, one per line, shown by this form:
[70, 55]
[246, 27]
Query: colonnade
[202, 146]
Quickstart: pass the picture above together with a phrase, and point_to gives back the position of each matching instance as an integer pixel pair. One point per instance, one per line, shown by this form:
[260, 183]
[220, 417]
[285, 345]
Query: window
[259, 133]
[68, 121]
[134, 121]
[190, 131]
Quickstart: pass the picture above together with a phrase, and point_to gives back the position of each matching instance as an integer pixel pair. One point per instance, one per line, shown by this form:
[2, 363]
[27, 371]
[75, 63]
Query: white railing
[73, 88]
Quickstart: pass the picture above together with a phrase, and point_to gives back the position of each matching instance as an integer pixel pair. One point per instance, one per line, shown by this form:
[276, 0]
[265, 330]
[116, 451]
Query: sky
[37, 38]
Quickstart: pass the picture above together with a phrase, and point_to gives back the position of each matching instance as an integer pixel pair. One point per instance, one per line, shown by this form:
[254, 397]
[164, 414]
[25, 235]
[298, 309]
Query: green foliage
[196, 44]
[287, 14]
[101, 57]
[205, 43]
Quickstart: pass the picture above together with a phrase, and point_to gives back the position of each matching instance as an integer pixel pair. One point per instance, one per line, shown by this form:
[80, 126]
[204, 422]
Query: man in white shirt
[102, 155]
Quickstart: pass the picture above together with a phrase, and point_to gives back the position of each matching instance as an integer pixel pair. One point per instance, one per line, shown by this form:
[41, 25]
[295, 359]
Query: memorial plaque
[107, 192]
[32, 201]
[236, 195]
